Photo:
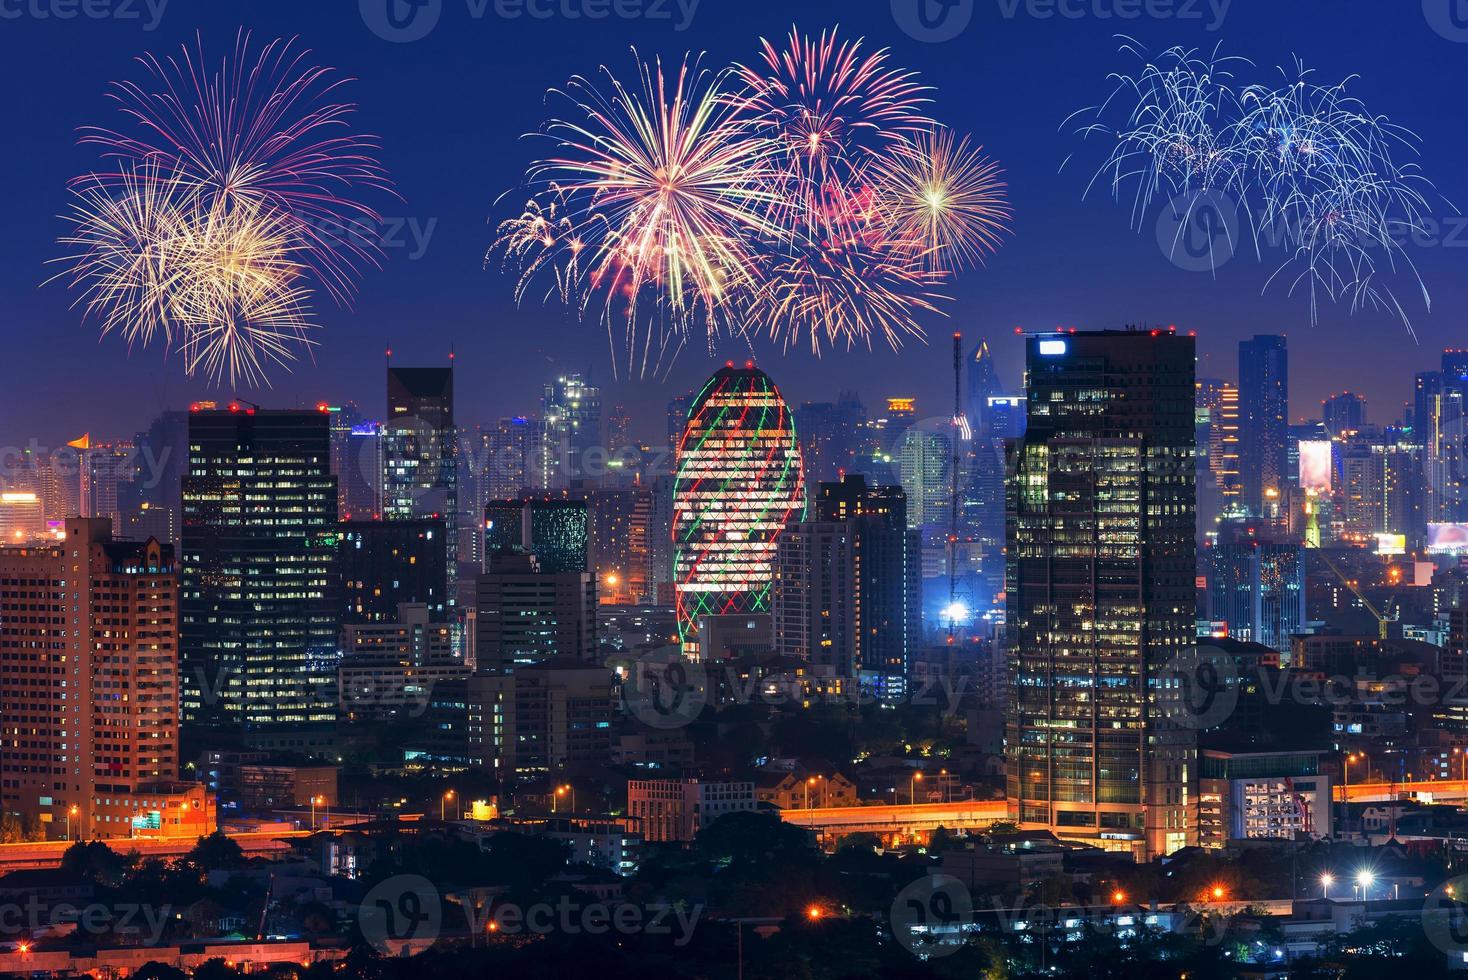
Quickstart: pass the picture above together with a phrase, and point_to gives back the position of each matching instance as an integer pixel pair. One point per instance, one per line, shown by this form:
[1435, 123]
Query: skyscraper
[740, 482]
[419, 454]
[570, 420]
[151, 500]
[529, 616]
[1264, 408]
[1344, 414]
[1257, 588]
[89, 713]
[557, 530]
[387, 564]
[259, 610]
[1100, 590]
[847, 586]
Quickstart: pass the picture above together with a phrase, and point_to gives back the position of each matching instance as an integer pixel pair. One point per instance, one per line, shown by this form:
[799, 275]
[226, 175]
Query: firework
[945, 199]
[220, 286]
[1315, 173]
[659, 189]
[260, 130]
[1174, 131]
[807, 198]
[232, 193]
[829, 105]
[126, 267]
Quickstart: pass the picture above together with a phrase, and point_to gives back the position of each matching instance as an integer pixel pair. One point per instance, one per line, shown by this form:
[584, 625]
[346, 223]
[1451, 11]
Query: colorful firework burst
[945, 199]
[775, 200]
[1315, 173]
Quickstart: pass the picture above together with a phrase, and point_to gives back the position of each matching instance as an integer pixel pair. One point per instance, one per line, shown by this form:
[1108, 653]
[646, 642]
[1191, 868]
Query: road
[901, 819]
[47, 854]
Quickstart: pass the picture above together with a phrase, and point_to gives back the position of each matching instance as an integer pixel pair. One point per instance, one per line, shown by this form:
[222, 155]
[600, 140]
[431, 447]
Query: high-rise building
[89, 712]
[1264, 408]
[1257, 589]
[1219, 487]
[830, 438]
[557, 530]
[1100, 590]
[570, 427]
[260, 614]
[356, 451]
[105, 467]
[1344, 414]
[385, 564]
[541, 719]
[420, 455]
[739, 484]
[530, 616]
[390, 667]
[846, 594]
[621, 558]
[22, 521]
[151, 500]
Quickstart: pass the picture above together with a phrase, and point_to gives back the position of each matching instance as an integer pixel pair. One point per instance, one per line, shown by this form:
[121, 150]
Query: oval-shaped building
[740, 482]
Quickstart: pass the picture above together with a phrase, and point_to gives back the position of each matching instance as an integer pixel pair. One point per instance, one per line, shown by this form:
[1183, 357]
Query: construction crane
[1383, 623]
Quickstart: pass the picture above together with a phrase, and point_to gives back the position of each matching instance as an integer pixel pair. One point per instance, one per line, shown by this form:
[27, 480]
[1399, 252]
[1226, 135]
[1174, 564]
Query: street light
[917, 777]
[73, 811]
[442, 803]
[808, 784]
[1326, 880]
[315, 800]
[1364, 881]
[562, 790]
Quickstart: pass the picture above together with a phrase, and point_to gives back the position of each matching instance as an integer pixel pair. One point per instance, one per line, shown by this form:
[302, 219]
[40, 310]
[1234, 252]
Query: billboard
[1447, 539]
[1391, 544]
[1315, 466]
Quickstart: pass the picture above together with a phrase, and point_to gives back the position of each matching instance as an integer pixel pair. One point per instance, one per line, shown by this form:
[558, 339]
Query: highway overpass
[907, 821]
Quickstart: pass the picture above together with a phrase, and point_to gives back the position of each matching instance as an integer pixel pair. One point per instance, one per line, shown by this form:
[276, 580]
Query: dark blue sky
[451, 108]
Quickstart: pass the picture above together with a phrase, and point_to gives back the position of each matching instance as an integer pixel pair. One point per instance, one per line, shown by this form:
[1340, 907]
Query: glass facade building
[740, 482]
[260, 613]
[1100, 590]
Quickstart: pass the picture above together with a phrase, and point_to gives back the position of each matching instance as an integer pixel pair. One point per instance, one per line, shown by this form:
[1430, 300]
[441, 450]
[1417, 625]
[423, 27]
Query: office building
[384, 564]
[89, 713]
[1264, 407]
[420, 478]
[1100, 590]
[541, 719]
[570, 430]
[676, 810]
[260, 611]
[556, 529]
[739, 484]
[528, 616]
[390, 668]
[1257, 590]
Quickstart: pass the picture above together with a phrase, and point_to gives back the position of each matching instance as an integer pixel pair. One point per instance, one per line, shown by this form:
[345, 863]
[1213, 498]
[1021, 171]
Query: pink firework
[265, 131]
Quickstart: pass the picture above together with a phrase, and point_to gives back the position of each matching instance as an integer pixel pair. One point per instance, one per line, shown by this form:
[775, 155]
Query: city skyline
[424, 305]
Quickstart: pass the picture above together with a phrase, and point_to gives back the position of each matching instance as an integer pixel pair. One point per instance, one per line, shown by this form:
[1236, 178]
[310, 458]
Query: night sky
[451, 110]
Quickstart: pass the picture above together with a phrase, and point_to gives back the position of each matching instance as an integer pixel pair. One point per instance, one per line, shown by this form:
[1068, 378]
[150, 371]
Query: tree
[95, 861]
[215, 852]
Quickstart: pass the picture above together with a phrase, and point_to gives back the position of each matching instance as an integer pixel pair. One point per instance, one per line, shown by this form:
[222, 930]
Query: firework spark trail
[777, 199]
[259, 129]
[1315, 174]
[231, 195]
[945, 198]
